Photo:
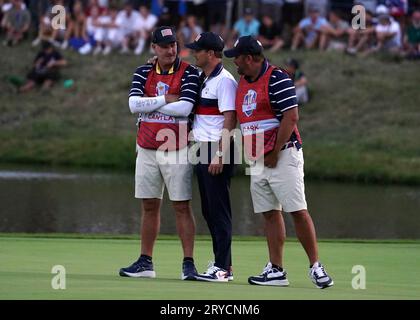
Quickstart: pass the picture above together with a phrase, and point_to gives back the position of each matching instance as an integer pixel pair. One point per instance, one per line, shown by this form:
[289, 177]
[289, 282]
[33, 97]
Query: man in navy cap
[267, 110]
[163, 93]
[214, 118]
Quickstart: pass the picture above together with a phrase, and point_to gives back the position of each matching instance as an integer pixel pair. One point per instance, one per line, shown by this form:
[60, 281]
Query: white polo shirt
[217, 96]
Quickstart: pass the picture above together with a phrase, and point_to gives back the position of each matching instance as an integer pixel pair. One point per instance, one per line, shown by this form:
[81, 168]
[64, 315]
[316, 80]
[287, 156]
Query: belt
[291, 144]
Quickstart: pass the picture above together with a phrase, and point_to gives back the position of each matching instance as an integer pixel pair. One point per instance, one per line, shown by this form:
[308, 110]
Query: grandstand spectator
[145, 25]
[47, 32]
[299, 79]
[188, 31]
[248, 25]
[308, 30]
[17, 21]
[46, 68]
[412, 36]
[79, 29]
[362, 39]
[107, 36]
[269, 34]
[94, 28]
[333, 35]
[388, 35]
[127, 22]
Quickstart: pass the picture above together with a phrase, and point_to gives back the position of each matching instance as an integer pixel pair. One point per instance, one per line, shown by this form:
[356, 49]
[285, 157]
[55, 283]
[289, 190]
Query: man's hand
[216, 166]
[271, 159]
[152, 60]
[171, 98]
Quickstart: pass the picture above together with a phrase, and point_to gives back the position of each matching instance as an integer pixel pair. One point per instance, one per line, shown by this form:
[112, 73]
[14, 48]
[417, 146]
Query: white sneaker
[213, 274]
[270, 277]
[319, 276]
[86, 49]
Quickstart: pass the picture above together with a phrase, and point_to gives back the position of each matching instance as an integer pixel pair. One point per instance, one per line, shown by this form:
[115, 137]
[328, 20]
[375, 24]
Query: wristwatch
[219, 153]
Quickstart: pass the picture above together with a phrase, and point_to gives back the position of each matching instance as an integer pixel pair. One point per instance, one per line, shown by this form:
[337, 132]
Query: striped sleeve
[282, 93]
[190, 85]
[139, 80]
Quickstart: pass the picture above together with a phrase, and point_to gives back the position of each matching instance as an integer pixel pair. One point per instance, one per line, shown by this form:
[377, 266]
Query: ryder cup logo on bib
[161, 88]
[249, 104]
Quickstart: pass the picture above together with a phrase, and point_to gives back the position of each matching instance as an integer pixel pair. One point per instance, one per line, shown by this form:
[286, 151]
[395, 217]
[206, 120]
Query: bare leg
[305, 231]
[27, 86]
[323, 41]
[297, 39]
[276, 234]
[277, 45]
[150, 224]
[185, 226]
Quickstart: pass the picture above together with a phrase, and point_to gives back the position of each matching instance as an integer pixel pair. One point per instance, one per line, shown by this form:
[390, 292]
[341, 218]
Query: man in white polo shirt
[214, 119]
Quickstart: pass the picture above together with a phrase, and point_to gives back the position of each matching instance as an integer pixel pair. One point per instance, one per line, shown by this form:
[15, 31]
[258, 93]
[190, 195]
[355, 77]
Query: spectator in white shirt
[127, 23]
[388, 34]
[145, 25]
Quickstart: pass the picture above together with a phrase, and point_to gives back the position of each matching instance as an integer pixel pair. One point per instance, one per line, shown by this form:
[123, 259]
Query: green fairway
[92, 270]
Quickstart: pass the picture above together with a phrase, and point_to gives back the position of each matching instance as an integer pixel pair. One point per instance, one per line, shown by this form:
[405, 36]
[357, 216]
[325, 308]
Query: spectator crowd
[101, 26]
[125, 26]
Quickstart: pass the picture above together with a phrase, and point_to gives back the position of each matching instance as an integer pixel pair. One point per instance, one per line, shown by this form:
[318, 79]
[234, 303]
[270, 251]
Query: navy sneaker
[230, 274]
[189, 272]
[142, 268]
[213, 274]
[320, 277]
[270, 277]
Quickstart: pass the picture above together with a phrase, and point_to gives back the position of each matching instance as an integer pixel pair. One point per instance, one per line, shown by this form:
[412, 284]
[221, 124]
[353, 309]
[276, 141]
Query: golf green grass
[92, 265]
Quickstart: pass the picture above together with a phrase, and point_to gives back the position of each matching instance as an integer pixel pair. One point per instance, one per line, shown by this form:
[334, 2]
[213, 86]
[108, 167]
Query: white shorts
[157, 169]
[282, 187]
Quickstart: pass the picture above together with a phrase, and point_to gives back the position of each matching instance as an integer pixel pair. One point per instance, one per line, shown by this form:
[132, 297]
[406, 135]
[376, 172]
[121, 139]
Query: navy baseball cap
[207, 41]
[245, 45]
[164, 35]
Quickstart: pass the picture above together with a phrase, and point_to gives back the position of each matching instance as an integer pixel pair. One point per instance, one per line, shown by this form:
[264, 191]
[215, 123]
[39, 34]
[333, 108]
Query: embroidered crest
[250, 103]
[161, 88]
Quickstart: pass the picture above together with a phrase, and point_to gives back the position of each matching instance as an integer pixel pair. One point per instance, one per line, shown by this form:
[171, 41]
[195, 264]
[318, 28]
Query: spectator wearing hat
[163, 94]
[309, 29]
[388, 35]
[248, 25]
[299, 80]
[214, 119]
[267, 110]
[46, 68]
